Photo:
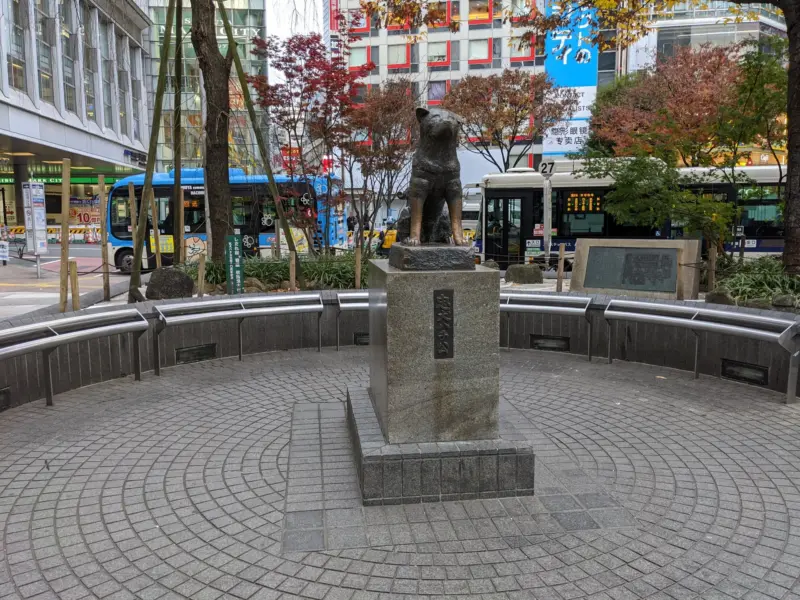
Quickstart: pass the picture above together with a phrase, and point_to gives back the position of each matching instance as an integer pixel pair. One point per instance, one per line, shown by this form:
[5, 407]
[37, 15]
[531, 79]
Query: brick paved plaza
[192, 485]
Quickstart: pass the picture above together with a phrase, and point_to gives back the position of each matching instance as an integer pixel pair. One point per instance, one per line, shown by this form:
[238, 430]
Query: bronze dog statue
[435, 177]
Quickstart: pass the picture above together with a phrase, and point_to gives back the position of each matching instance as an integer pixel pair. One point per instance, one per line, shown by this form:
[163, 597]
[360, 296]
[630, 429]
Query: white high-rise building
[486, 43]
[72, 87]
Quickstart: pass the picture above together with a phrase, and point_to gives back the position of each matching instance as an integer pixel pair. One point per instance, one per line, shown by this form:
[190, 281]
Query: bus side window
[120, 214]
[194, 216]
[266, 211]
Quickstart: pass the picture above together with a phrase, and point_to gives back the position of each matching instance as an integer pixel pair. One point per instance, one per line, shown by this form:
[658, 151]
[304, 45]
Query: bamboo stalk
[66, 169]
[262, 147]
[134, 294]
[133, 211]
[177, 194]
[101, 182]
[156, 232]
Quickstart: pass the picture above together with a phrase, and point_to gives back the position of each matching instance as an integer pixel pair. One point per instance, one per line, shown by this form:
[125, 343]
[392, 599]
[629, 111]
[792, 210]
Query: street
[21, 291]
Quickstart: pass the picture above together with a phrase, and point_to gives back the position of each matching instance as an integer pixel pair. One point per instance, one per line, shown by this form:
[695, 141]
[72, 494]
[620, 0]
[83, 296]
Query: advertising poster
[571, 61]
[35, 217]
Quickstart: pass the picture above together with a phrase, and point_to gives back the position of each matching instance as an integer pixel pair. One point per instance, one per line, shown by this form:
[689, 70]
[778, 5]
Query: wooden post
[201, 276]
[712, 267]
[156, 232]
[66, 169]
[73, 284]
[358, 266]
[742, 241]
[291, 270]
[560, 274]
[178, 242]
[101, 182]
[276, 249]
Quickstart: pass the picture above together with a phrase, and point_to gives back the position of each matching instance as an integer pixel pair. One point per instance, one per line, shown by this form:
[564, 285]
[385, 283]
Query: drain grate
[192, 354]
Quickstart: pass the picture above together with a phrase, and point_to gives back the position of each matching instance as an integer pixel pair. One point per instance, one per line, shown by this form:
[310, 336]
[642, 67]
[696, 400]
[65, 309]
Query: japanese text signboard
[571, 62]
[234, 265]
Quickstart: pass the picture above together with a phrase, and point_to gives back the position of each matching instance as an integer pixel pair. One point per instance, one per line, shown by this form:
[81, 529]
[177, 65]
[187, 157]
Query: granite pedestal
[427, 428]
[434, 370]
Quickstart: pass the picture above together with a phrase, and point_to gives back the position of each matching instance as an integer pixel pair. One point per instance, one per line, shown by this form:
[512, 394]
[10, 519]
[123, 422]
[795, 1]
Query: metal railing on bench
[348, 301]
[784, 332]
[235, 308]
[47, 336]
[549, 304]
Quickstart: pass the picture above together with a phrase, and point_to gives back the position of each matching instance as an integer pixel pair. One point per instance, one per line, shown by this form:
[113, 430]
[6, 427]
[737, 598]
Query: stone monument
[427, 427]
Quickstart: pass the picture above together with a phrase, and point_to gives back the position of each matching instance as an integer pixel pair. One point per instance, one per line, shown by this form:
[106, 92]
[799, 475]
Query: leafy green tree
[648, 192]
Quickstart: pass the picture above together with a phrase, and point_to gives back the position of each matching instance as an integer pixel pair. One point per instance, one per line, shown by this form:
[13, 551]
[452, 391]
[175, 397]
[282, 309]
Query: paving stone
[649, 484]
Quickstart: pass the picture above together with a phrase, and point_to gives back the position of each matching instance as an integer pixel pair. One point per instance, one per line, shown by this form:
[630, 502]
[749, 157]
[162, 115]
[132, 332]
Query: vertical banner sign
[35, 217]
[571, 61]
[3, 243]
[234, 267]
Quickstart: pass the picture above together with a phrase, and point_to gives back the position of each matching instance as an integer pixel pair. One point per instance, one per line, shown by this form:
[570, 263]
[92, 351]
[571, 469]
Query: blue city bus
[252, 213]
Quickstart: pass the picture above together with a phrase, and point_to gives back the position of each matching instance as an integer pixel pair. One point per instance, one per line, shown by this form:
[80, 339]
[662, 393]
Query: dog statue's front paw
[412, 241]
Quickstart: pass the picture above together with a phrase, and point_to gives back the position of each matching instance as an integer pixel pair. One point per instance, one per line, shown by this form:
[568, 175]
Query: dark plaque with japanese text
[443, 324]
[636, 269]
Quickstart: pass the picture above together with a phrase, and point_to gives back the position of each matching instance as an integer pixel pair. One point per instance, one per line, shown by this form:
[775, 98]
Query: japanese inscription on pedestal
[443, 316]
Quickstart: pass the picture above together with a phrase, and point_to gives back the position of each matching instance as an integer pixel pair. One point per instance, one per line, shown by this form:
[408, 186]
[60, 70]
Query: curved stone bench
[92, 361]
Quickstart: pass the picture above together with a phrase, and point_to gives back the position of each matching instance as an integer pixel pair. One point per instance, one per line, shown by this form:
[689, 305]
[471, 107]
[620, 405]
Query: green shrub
[328, 272]
[760, 278]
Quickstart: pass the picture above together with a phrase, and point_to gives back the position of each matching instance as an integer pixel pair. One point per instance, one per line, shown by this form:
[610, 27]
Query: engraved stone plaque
[638, 269]
[443, 324]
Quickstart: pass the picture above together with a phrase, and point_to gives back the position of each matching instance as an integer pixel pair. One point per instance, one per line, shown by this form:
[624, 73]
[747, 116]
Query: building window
[438, 53]
[69, 51]
[443, 12]
[479, 10]
[89, 63]
[359, 93]
[479, 51]
[520, 8]
[358, 22]
[437, 90]
[16, 50]
[107, 73]
[394, 23]
[45, 41]
[122, 85]
[136, 95]
[399, 55]
[358, 57]
[522, 50]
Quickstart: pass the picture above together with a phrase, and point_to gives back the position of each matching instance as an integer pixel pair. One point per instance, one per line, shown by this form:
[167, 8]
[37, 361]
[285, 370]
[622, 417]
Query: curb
[88, 299]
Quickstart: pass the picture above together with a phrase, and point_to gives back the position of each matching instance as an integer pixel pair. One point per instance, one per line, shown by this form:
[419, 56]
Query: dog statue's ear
[422, 113]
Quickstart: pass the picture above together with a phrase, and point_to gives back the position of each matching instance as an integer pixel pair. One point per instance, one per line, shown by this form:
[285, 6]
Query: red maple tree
[675, 109]
[508, 111]
[310, 103]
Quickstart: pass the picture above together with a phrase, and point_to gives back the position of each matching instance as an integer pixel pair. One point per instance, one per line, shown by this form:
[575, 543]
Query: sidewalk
[21, 292]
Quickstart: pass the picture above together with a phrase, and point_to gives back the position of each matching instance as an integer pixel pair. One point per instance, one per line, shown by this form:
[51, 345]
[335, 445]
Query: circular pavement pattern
[648, 484]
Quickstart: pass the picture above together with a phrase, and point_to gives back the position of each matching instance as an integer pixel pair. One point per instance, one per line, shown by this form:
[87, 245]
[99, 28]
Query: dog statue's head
[438, 124]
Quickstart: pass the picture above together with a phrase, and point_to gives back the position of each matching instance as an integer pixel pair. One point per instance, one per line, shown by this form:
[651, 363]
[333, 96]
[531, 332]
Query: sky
[288, 17]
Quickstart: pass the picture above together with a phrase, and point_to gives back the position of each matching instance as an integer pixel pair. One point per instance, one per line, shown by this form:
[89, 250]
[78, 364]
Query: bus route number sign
[547, 168]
